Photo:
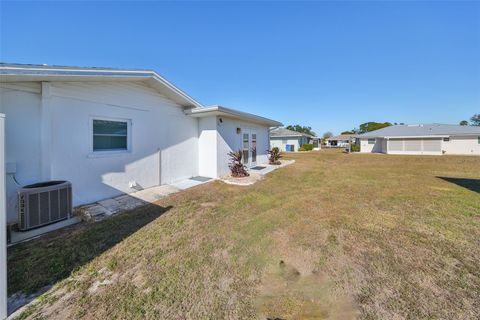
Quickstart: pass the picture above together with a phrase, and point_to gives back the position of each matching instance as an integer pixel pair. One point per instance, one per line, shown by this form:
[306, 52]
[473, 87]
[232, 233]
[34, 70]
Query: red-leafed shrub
[237, 168]
[274, 156]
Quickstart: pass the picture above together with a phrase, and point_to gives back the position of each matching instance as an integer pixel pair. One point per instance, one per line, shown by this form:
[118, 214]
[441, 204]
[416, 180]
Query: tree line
[371, 126]
[474, 121]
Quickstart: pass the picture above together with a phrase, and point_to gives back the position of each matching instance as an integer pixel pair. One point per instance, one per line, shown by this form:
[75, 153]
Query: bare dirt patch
[285, 293]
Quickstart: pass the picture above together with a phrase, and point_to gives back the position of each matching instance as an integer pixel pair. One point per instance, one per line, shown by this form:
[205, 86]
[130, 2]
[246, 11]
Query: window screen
[371, 141]
[110, 135]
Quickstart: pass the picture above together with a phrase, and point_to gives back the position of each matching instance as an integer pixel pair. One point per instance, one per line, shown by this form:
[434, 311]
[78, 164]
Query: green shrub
[307, 147]
[302, 149]
[355, 147]
[274, 156]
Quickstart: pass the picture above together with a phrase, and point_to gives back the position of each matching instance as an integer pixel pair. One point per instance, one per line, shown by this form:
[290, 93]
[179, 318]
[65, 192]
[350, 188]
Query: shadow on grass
[53, 257]
[470, 184]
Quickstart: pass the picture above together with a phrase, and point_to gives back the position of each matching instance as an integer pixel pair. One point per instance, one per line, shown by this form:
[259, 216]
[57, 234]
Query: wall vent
[43, 203]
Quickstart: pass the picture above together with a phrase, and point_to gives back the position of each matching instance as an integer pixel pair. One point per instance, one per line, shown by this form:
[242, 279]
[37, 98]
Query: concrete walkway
[267, 168]
[105, 208]
[256, 174]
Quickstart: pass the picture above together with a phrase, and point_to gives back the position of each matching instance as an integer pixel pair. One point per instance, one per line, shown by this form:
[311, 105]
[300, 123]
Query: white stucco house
[289, 140]
[110, 130]
[340, 141]
[418, 139]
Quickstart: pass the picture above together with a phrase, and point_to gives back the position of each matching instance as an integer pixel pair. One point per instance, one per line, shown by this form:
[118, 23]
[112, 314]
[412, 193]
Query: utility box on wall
[3, 224]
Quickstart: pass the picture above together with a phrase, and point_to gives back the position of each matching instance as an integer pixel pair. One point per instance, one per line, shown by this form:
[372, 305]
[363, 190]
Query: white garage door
[395, 145]
[415, 146]
[432, 145]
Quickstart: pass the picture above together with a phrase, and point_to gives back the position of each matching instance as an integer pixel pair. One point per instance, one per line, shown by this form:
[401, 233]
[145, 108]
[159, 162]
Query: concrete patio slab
[104, 208]
[192, 182]
[155, 193]
[19, 236]
[128, 202]
[256, 174]
[269, 167]
[112, 206]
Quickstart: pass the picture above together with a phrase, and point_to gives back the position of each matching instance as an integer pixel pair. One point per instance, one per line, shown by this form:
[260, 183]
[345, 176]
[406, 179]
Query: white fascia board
[287, 136]
[227, 112]
[294, 135]
[175, 89]
[411, 137]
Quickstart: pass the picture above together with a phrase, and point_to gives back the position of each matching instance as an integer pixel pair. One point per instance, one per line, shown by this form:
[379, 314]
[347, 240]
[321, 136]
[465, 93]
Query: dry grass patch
[334, 236]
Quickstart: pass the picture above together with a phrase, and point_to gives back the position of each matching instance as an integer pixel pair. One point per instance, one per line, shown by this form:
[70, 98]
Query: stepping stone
[111, 205]
[91, 211]
[129, 202]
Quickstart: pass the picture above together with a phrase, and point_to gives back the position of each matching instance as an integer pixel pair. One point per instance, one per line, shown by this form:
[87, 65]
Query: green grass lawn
[333, 236]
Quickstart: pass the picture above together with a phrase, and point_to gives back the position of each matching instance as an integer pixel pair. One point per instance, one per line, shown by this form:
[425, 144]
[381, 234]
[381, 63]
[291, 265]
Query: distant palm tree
[327, 135]
[475, 120]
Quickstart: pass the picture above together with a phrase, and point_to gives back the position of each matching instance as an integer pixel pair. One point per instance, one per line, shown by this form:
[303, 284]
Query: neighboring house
[108, 131]
[339, 141]
[429, 139]
[289, 140]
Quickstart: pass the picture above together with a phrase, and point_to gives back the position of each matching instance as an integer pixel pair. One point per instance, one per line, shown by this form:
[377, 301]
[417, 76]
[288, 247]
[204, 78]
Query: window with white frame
[371, 141]
[110, 135]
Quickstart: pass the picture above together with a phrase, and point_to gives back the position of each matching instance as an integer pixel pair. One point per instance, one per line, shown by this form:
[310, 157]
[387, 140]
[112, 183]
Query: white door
[249, 148]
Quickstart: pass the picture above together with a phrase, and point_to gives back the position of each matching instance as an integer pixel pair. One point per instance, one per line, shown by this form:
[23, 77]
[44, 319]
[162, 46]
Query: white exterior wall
[49, 137]
[22, 105]
[384, 146]
[3, 225]
[278, 142]
[207, 147]
[366, 147]
[380, 146]
[229, 140]
[466, 145]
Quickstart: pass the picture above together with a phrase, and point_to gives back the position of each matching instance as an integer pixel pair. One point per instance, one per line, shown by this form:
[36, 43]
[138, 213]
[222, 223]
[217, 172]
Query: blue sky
[328, 65]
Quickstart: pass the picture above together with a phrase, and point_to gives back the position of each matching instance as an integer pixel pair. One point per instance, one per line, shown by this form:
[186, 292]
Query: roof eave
[17, 74]
[231, 113]
[286, 136]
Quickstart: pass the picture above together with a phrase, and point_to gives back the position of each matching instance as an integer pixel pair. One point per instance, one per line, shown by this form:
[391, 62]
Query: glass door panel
[254, 149]
[246, 148]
